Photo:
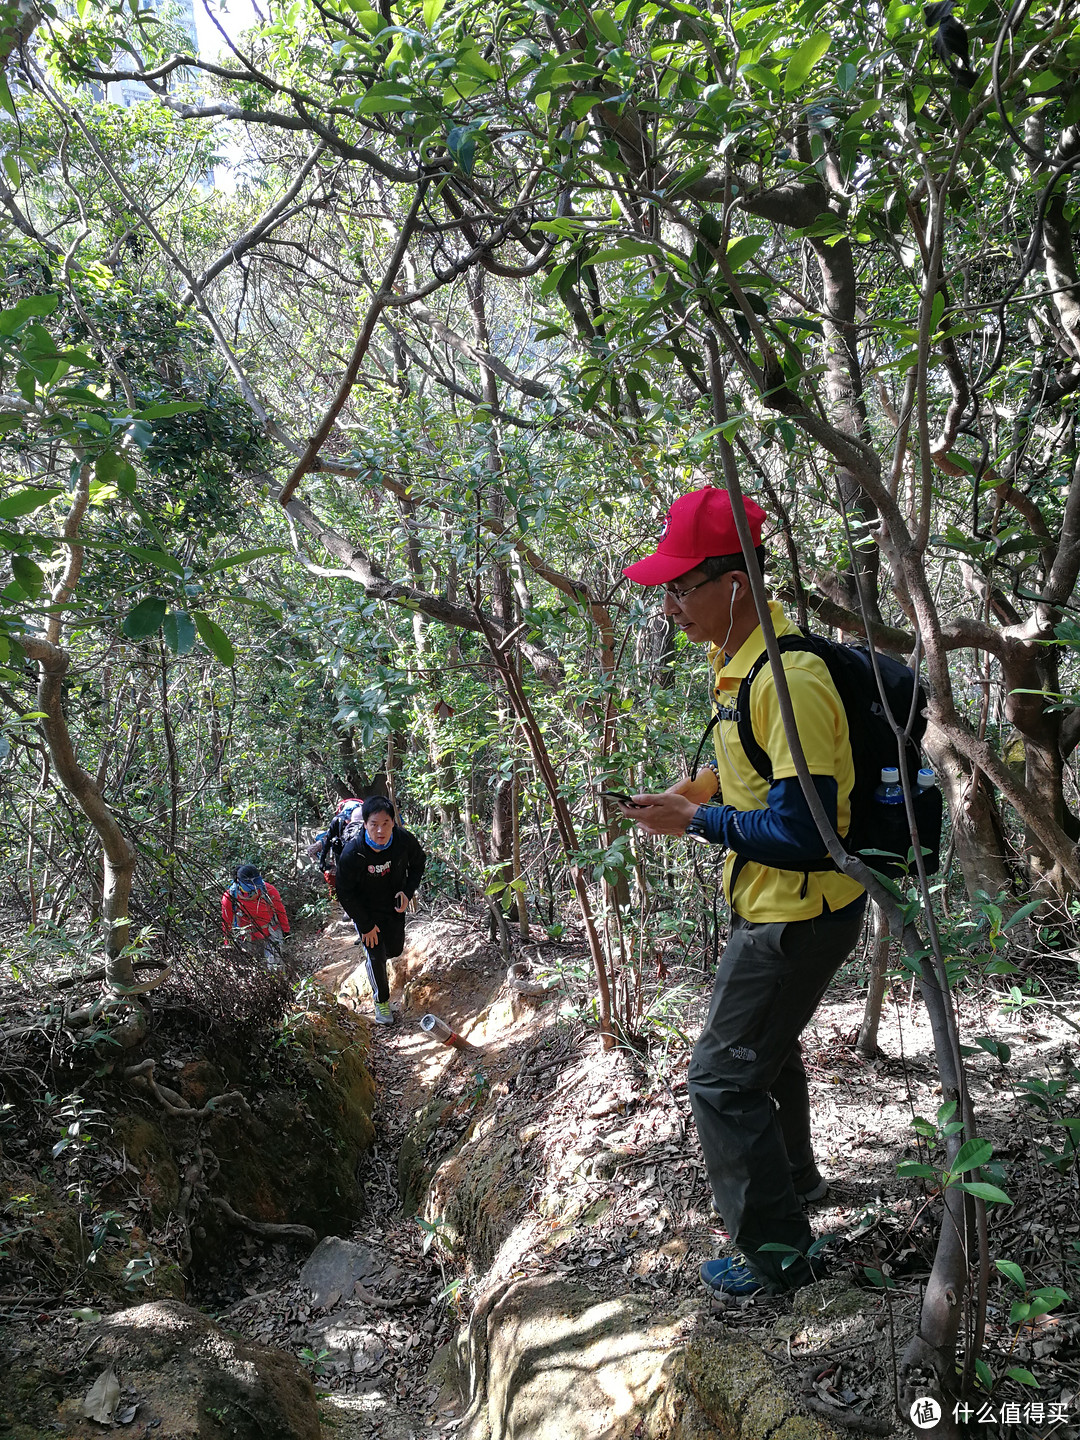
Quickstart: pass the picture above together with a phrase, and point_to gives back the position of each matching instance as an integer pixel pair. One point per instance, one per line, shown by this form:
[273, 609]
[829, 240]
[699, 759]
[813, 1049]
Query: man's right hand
[700, 789]
[371, 937]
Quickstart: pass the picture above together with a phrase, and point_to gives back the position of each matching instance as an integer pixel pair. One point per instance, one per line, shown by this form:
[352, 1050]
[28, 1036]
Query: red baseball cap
[698, 525]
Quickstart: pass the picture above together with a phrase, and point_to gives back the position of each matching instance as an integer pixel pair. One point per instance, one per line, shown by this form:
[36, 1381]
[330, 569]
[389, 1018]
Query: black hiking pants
[748, 1086]
[390, 944]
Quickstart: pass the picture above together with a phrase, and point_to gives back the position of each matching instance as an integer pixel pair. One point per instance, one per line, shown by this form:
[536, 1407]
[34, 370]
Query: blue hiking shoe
[730, 1277]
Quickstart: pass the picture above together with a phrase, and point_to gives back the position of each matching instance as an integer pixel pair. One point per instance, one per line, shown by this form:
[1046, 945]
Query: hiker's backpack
[878, 834]
[354, 824]
[236, 890]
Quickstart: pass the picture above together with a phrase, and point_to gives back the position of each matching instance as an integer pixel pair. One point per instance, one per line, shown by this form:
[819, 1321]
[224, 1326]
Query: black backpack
[877, 833]
[354, 826]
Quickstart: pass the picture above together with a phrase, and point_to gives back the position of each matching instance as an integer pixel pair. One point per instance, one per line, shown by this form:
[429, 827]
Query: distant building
[178, 13]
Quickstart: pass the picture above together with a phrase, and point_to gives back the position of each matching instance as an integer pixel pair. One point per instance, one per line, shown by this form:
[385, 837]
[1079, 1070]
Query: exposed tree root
[174, 1103]
[863, 1424]
[94, 975]
[263, 1228]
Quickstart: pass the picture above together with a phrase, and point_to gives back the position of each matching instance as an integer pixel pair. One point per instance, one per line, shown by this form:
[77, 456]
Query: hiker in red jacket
[252, 911]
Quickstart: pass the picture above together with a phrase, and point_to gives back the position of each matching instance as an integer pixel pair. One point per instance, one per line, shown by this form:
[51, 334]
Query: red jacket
[255, 915]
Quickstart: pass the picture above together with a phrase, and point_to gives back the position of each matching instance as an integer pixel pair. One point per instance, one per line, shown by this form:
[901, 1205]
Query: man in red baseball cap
[793, 920]
[699, 525]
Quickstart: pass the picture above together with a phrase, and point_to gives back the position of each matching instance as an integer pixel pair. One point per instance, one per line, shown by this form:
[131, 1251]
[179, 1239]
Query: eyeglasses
[680, 595]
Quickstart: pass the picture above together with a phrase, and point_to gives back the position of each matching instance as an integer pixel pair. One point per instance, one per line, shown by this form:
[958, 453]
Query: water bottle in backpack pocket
[888, 846]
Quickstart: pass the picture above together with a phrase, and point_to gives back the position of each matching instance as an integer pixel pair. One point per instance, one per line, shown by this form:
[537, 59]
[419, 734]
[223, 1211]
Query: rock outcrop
[553, 1360]
[167, 1371]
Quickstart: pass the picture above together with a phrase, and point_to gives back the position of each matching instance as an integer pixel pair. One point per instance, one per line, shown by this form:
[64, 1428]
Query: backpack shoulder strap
[709, 728]
[747, 739]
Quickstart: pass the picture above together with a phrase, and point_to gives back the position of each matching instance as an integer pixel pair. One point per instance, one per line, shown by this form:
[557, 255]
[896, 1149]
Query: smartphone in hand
[620, 798]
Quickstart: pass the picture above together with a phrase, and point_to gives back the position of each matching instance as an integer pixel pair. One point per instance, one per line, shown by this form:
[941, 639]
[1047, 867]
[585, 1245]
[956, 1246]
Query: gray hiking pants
[748, 1086]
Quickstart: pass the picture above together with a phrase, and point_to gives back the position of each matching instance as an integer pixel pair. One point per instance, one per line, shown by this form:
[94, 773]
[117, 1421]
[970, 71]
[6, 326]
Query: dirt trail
[375, 1351]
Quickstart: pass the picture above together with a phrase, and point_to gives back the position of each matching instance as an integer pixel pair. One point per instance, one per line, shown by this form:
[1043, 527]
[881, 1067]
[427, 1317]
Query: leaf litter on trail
[102, 1398]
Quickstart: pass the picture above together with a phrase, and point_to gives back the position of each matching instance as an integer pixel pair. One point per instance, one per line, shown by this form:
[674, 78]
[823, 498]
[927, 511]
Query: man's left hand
[666, 814]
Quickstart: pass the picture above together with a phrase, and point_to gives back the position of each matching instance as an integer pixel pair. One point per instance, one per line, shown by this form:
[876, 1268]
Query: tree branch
[363, 340]
[361, 568]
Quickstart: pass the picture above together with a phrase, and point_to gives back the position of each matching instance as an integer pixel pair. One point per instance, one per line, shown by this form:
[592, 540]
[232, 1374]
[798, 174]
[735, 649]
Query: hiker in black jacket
[378, 874]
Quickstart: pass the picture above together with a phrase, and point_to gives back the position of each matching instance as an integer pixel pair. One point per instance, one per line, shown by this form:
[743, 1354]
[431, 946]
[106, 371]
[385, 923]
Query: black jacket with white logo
[368, 880]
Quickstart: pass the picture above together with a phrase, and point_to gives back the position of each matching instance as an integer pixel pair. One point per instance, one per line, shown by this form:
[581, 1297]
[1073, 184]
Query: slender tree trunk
[867, 1042]
[847, 407]
[565, 825]
[174, 763]
[30, 862]
[1025, 671]
[519, 892]
[977, 832]
[119, 857]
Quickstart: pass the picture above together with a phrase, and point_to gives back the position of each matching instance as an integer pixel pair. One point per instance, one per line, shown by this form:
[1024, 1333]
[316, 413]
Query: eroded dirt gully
[567, 1211]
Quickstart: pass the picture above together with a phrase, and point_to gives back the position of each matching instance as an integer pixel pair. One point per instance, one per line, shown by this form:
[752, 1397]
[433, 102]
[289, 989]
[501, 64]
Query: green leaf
[1022, 1376]
[244, 557]
[432, 10]
[473, 63]
[1025, 910]
[624, 250]
[145, 619]
[5, 96]
[990, 1193]
[140, 434]
[156, 557]
[462, 147]
[178, 629]
[386, 97]
[971, 1155]
[1040, 1303]
[167, 408]
[607, 27]
[1013, 1271]
[910, 1169]
[25, 502]
[997, 1048]
[1045, 80]
[113, 469]
[743, 249]
[29, 575]
[878, 1277]
[33, 306]
[214, 638]
[805, 58]
[761, 75]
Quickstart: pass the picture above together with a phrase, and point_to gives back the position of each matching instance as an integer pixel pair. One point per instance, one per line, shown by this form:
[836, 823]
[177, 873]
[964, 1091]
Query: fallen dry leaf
[102, 1398]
